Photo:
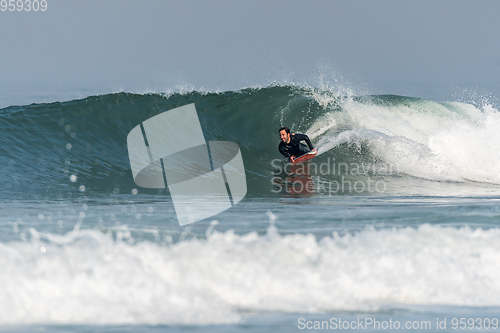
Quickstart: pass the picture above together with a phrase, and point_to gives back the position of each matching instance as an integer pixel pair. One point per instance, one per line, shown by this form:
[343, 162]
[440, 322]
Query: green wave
[42, 145]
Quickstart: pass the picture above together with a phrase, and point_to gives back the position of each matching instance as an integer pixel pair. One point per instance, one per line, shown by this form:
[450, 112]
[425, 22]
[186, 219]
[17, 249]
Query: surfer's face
[284, 136]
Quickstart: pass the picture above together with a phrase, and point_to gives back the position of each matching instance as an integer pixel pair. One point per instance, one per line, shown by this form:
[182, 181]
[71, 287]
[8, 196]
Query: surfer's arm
[306, 139]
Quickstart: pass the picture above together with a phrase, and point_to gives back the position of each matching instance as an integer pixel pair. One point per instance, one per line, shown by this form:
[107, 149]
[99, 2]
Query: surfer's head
[284, 134]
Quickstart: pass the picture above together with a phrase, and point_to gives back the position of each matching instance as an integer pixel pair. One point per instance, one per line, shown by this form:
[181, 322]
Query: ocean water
[396, 220]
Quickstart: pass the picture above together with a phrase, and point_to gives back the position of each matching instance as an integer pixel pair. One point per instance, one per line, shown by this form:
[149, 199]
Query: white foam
[438, 141]
[88, 277]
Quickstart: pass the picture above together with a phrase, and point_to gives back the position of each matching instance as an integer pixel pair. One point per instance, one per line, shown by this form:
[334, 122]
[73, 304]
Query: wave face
[98, 277]
[43, 145]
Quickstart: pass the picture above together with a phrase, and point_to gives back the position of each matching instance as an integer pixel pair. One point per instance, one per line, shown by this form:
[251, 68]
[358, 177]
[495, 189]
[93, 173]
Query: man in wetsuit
[290, 145]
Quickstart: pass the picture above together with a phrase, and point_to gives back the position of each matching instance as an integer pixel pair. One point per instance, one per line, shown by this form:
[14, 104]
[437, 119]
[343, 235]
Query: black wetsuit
[294, 147]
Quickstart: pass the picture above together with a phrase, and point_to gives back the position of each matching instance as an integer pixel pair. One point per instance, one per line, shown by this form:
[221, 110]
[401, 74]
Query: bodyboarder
[290, 145]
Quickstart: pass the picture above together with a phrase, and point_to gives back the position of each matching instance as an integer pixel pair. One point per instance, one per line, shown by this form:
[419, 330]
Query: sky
[428, 49]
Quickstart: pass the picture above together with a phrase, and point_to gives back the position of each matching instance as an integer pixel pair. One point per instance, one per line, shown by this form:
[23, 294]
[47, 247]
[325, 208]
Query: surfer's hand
[292, 158]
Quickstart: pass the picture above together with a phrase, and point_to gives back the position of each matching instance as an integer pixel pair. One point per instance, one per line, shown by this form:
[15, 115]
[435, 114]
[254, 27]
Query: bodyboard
[305, 157]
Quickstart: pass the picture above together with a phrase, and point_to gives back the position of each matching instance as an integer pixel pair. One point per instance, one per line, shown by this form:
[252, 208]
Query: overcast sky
[414, 48]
